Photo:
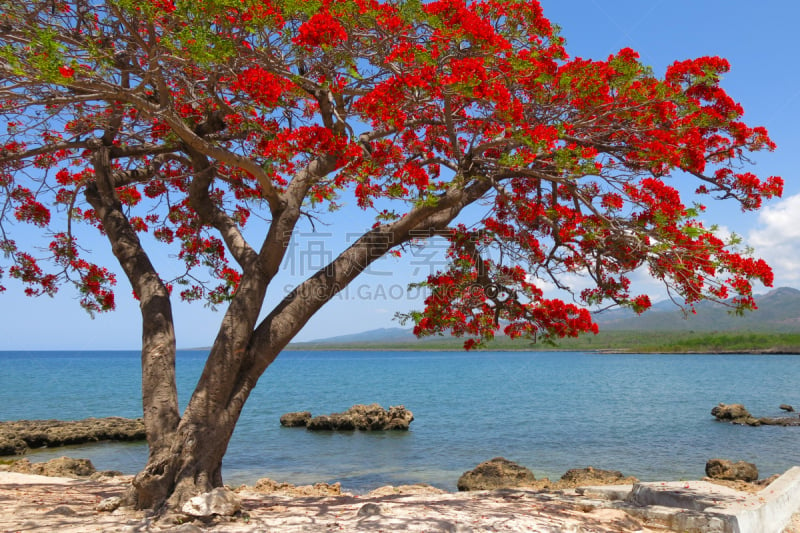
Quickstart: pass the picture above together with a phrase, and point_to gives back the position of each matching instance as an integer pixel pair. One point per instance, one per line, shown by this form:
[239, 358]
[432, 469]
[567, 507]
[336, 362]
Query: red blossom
[411, 114]
[262, 86]
[322, 29]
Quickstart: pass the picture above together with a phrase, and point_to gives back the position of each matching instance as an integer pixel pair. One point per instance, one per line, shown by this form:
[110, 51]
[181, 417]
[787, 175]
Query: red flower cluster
[322, 29]
[262, 86]
[28, 209]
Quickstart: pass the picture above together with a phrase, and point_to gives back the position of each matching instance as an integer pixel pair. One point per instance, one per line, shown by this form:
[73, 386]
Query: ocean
[646, 415]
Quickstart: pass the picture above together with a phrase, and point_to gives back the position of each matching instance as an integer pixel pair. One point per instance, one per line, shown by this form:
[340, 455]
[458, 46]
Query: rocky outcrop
[736, 413]
[17, 437]
[500, 473]
[59, 467]
[728, 470]
[268, 486]
[589, 476]
[497, 473]
[295, 420]
[361, 417]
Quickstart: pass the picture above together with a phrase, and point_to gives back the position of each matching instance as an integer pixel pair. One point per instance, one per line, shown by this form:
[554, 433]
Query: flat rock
[58, 467]
[220, 501]
[269, 486]
[17, 437]
[736, 413]
[416, 489]
[297, 419]
[359, 417]
[590, 476]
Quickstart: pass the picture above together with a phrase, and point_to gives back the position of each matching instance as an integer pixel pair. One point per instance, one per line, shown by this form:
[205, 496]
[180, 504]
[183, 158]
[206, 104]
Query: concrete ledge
[770, 509]
[703, 507]
[690, 495]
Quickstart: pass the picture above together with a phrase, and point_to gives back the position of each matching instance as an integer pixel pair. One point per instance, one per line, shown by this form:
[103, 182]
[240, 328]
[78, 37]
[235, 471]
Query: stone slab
[705, 507]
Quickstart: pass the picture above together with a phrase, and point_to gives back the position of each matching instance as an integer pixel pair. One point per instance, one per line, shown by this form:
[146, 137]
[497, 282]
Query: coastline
[356, 348]
[49, 504]
[46, 503]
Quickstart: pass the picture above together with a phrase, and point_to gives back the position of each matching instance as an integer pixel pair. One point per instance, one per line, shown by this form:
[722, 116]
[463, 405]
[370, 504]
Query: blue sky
[758, 40]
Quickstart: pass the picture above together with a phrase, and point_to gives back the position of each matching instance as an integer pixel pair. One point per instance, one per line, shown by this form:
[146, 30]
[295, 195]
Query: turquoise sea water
[647, 415]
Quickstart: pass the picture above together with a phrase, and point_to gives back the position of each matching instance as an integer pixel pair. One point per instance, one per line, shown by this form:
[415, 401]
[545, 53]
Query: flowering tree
[178, 121]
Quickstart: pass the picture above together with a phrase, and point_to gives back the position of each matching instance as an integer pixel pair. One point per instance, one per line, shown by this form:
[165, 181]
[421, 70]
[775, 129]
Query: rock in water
[497, 473]
[732, 412]
[786, 407]
[294, 420]
[16, 437]
[325, 423]
[728, 470]
[362, 417]
[737, 414]
[220, 501]
[400, 418]
[12, 445]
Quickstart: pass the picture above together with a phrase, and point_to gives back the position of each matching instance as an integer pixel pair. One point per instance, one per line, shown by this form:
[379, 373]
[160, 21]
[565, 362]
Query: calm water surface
[647, 415]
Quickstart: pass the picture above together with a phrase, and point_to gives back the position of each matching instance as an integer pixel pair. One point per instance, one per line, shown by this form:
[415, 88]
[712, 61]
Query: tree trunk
[191, 466]
[191, 463]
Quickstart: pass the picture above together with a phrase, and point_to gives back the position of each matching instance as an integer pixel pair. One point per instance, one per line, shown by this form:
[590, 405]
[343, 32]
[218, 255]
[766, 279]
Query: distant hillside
[777, 316]
[374, 335]
[778, 311]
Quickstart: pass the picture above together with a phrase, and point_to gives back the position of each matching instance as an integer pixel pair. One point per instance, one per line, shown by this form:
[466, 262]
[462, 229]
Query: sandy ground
[37, 503]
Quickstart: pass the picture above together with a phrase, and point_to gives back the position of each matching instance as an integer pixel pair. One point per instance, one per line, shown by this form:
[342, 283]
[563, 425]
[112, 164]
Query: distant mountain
[778, 311]
[382, 335]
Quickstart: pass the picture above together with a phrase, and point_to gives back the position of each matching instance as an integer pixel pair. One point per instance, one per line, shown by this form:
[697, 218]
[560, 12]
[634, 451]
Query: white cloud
[776, 239]
[542, 284]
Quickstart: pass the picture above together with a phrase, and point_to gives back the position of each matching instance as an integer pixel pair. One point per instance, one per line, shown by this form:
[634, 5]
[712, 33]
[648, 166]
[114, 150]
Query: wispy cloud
[776, 239]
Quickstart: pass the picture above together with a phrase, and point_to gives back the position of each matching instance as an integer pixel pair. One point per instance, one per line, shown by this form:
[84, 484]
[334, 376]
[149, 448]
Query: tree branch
[210, 214]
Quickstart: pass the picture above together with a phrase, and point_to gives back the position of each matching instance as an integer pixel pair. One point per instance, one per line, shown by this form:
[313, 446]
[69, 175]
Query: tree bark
[159, 388]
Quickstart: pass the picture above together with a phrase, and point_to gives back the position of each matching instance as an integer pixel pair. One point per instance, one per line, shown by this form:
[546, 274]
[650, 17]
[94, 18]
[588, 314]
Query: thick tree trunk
[159, 389]
[191, 466]
[191, 463]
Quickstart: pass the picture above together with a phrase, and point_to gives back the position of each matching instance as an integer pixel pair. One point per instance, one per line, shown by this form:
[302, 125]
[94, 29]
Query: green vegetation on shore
[773, 328]
[617, 341]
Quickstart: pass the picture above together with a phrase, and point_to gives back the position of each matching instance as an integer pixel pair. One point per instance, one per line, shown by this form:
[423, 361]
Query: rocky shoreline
[20, 436]
[78, 503]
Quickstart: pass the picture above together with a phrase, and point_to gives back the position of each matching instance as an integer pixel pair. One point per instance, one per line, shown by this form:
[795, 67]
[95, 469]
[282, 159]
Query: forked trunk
[189, 462]
[191, 466]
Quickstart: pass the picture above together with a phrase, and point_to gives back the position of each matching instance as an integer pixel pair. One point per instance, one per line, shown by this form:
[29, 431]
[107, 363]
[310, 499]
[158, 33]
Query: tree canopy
[184, 121]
